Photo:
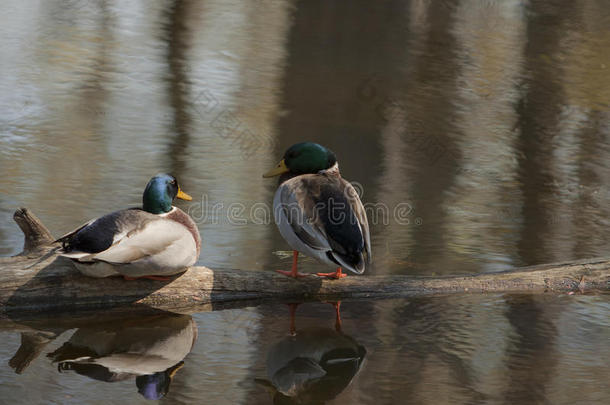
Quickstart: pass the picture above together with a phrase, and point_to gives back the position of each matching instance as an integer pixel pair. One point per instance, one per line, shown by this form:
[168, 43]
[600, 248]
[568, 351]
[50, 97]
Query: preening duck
[318, 212]
[155, 241]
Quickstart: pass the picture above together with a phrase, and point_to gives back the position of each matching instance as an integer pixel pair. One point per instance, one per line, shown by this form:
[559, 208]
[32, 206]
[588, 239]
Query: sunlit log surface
[38, 282]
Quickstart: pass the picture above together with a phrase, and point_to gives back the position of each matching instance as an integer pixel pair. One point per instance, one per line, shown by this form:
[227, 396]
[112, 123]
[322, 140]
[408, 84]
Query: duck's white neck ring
[334, 169]
[169, 212]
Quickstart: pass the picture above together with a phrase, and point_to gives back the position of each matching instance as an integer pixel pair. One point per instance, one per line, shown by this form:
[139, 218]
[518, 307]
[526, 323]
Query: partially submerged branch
[40, 281]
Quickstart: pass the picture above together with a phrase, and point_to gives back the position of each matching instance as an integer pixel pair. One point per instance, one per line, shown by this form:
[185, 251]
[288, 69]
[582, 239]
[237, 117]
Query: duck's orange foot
[156, 278]
[293, 274]
[336, 275]
[332, 275]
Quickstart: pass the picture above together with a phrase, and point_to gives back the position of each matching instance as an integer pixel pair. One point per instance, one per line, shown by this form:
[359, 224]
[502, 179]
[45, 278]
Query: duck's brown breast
[184, 219]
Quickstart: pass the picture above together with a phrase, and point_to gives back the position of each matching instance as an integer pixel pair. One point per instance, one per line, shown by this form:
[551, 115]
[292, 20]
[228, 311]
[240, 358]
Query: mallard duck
[154, 241]
[313, 365]
[151, 349]
[319, 213]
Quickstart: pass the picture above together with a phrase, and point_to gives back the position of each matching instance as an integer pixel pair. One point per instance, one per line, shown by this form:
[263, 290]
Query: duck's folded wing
[71, 352]
[296, 215]
[360, 213]
[151, 239]
[100, 233]
[296, 374]
[319, 211]
[70, 234]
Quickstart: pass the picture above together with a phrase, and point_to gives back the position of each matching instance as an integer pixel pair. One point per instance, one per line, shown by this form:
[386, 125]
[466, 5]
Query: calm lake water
[478, 133]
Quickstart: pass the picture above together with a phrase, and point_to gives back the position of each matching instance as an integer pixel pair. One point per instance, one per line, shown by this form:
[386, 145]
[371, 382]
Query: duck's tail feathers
[355, 263]
[75, 255]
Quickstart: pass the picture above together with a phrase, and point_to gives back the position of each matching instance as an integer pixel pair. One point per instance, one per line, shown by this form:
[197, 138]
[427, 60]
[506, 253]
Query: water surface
[492, 349]
[477, 131]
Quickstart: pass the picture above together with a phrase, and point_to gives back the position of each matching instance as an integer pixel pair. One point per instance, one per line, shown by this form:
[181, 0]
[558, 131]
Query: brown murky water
[478, 133]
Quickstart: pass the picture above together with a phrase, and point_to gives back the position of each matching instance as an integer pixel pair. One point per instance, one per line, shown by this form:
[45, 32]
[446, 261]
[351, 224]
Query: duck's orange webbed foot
[293, 272]
[337, 274]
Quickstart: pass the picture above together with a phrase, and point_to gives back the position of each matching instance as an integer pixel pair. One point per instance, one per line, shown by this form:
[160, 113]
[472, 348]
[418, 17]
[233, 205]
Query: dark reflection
[313, 365]
[424, 341]
[531, 357]
[32, 344]
[426, 133]
[539, 114]
[326, 67]
[539, 111]
[150, 349]
[177, 36]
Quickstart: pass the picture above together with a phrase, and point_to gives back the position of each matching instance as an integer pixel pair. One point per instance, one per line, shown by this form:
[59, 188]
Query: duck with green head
[155, 241]
[313, 365]
[150, 348]
[318, 212]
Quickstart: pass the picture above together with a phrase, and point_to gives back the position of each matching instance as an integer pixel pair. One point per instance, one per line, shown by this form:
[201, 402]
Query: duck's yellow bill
[279, 169]
[183, 196]
[175, 369]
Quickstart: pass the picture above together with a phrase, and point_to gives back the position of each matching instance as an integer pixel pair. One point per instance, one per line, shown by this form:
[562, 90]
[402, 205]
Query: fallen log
[37, 281]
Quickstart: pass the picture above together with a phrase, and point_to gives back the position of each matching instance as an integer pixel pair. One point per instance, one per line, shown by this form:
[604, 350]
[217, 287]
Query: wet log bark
[39, 282]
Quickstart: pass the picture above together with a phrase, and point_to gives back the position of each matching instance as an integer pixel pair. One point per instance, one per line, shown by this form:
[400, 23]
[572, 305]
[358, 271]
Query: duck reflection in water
[150, 349]
[313, 365]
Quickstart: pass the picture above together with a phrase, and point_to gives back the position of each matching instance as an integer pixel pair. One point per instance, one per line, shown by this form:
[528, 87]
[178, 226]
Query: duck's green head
[303, 158]
[156, 386]
[160, 192]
